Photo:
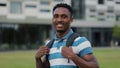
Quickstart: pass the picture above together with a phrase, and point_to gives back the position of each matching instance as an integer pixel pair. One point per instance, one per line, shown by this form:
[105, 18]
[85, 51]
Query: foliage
[116, 31]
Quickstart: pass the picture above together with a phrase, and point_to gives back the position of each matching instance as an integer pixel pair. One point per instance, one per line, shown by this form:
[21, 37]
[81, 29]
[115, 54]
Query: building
[28, 22]
[96, 18]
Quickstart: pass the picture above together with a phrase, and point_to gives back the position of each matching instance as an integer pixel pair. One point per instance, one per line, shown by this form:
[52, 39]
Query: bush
[116, 32]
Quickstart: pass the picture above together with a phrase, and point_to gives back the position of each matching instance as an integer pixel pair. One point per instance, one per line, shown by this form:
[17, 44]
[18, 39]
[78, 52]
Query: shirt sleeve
[85, 51]
[85, 47]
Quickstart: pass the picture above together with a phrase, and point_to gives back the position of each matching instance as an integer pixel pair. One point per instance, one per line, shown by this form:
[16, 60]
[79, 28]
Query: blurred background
[25, 25]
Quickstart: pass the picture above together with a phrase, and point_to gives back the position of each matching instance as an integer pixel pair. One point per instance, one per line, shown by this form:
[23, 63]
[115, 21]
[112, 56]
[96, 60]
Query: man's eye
[55, 16]
[64, 16]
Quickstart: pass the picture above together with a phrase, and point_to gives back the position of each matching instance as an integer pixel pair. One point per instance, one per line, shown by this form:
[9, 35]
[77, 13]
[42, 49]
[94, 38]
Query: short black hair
[64, 5]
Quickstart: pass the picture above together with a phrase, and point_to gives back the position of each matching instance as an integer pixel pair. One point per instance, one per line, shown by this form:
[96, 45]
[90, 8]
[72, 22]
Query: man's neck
[60, 35]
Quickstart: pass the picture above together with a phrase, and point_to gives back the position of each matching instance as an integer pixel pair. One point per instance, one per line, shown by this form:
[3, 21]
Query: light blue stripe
[55, 56]
[58, 44]
[86, 51]
[81, 40]
[63, 66]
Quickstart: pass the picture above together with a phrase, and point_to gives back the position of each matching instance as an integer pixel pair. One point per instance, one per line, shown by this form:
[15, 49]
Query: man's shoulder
[79, 40]
[82, 38]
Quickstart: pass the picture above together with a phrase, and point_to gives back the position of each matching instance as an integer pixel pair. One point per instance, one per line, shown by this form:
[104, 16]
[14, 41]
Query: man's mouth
[59, 25]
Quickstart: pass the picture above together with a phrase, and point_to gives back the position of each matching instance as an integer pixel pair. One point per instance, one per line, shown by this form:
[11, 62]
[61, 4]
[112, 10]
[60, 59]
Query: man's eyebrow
[60, 15]
[64, 15]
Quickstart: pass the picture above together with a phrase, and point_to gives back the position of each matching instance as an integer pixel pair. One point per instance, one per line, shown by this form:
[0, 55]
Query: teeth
[60, 25]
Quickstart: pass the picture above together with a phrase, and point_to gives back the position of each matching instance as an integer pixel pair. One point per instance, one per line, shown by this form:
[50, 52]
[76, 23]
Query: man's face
[61, 19]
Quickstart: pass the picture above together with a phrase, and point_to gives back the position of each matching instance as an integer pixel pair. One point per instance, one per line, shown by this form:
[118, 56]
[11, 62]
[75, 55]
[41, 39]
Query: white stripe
[84, 45]
[55, 50]
[81, 46]
[78, 38]
[75, 50]
[55, 42]
[61, 62]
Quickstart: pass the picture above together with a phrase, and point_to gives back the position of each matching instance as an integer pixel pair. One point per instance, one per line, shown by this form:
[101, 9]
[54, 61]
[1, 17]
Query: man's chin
[60, 31]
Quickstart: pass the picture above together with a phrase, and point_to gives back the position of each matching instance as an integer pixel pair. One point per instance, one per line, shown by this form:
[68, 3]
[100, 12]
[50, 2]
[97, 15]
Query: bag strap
[68, 43]
[50, 43]
[71, 39]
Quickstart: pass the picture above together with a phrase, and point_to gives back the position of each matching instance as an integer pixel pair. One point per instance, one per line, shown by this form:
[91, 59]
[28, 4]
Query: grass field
[107, 58]
[17, 59]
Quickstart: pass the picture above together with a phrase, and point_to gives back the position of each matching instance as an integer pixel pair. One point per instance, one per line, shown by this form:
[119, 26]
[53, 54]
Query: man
[79, 54]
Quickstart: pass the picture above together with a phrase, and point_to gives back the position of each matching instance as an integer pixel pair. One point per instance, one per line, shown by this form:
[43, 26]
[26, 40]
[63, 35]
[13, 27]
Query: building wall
[99, 17]
[92, 10]
[102, 10]
[20, 9]
[25, 24]
[93, 18]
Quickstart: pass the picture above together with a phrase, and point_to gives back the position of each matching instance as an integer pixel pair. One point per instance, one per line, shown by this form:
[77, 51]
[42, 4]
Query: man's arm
[43, 50]
[87, 61]
[42, 64]
[39, 63]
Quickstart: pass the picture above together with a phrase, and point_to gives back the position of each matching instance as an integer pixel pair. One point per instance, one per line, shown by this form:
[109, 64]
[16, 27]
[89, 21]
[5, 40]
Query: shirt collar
[66, 36]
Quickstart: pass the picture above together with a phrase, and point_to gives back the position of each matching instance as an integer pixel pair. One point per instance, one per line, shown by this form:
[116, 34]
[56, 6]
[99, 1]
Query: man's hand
[42, 51]
[67, 51]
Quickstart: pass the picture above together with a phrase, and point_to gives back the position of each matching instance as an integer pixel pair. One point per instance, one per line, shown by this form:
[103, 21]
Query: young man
[80, 54]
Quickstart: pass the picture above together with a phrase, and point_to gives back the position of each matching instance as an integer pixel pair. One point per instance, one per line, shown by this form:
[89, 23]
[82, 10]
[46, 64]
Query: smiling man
[77, 55]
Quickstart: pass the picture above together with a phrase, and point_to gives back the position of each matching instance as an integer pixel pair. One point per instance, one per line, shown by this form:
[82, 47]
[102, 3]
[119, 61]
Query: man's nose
[59, 19]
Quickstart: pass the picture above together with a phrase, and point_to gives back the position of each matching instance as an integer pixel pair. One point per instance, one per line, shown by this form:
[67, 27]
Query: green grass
[107, 58]
[17, 59]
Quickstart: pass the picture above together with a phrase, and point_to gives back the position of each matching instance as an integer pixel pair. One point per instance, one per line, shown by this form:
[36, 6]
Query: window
[92, 16]
[58, 0]
[109, 0]
[110, 11]
[117, 2]
[101, 13]
[44, 10]
[118, 18]
[110, 17]
[92, 10]
[1, 4]
[78, 9]
[15, 7]
[101, 19]
[44, 2]
[100, 1]
[30, 6]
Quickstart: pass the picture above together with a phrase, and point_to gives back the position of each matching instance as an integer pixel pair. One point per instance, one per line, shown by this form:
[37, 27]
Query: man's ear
[71, 20]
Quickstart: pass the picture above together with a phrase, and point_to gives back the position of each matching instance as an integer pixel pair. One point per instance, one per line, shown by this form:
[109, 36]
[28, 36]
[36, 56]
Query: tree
[116, 31]
[116, 34]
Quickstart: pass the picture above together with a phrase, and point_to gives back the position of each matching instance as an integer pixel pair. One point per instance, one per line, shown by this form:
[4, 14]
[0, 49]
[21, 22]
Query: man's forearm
[83, 63]
[39, 63]
[42, 64]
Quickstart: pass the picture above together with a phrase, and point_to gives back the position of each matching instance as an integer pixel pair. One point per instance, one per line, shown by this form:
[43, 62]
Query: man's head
[62, 17]
[64, 5]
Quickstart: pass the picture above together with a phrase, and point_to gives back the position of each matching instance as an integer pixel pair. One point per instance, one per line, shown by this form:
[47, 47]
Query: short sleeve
[85, 51]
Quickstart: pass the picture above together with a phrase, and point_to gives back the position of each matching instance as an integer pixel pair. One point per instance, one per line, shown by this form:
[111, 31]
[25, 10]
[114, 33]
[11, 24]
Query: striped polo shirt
[81, 46]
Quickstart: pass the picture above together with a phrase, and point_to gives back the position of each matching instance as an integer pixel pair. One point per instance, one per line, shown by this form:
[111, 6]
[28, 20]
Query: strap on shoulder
[50, 43]
[71, 39]
[47, 55]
